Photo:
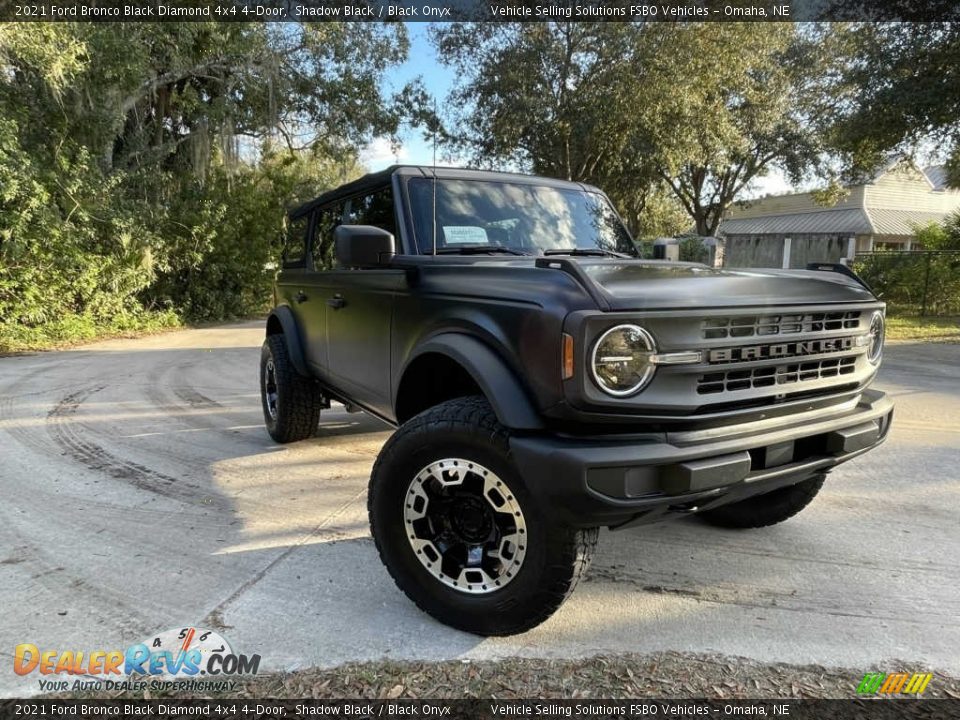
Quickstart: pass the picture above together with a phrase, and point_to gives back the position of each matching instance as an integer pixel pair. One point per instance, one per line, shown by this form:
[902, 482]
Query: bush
[918, 283]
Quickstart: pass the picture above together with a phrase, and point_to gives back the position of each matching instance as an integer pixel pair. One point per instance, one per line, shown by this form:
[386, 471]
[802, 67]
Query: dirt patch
[661, 675]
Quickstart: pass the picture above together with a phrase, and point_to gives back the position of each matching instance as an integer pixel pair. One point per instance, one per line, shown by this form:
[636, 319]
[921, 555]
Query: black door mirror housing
[363, 246]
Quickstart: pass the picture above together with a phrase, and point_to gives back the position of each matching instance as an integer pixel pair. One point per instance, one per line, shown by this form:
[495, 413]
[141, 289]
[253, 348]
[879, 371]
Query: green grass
[940, 329]
[77, 329]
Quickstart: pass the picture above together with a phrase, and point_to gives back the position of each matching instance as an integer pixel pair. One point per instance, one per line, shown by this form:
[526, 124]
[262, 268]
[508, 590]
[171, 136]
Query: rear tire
[767, 509]
[291, 402]
[459, 531]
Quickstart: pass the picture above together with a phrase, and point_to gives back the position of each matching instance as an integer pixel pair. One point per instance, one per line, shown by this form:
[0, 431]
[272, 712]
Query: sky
[413, 149]
[422, 62]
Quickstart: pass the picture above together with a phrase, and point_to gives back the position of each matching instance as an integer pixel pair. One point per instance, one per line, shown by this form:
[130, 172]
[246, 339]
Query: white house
[793, 230]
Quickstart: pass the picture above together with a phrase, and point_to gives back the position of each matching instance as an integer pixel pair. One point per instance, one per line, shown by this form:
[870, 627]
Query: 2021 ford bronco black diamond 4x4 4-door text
[546, 381]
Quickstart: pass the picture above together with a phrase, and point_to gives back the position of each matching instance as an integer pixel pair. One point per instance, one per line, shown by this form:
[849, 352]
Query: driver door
[359, 310]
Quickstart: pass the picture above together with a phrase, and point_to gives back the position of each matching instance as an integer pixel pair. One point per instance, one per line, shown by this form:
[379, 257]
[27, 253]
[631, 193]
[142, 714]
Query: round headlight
[875, 348]
[621, 361]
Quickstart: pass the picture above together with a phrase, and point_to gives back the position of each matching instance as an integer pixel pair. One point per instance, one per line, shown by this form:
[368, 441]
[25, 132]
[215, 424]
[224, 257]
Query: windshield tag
[465, 235]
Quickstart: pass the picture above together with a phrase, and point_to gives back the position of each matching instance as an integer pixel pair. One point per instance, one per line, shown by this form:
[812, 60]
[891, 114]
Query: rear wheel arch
[282, 322]
[454, 365]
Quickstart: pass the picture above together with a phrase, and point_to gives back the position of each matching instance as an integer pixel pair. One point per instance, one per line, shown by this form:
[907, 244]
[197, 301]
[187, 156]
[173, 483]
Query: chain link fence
[915, 283]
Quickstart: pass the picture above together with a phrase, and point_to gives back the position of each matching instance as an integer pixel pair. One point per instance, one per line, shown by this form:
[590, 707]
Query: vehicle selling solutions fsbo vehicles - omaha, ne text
[546, 381]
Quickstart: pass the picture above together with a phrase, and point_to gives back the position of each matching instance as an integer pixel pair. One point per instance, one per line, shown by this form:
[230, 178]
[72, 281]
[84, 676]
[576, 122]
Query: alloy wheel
[465, 525]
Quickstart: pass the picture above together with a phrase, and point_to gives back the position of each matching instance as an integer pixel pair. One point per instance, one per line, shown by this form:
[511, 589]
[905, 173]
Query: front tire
[460, 533]
[767, 509]
[291, 402]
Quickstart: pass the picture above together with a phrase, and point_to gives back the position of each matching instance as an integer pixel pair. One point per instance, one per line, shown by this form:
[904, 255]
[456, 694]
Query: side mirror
[363, 246]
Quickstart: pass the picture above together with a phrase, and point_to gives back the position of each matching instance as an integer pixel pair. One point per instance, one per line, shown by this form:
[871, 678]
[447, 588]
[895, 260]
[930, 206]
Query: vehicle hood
[644, 285]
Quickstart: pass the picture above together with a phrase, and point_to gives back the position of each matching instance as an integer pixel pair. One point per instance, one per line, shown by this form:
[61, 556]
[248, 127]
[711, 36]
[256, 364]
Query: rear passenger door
[360, 312]
[314, 288]
[294, 282]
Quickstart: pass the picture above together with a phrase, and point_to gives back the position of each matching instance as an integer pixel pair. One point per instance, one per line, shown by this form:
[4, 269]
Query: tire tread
[300, 397]
[576, 546]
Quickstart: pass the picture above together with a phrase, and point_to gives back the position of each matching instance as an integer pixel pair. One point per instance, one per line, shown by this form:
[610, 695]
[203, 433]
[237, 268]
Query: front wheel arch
[475, 370]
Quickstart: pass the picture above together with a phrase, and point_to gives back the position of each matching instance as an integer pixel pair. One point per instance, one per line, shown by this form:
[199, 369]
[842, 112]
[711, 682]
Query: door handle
[301, 296]
[336, 302]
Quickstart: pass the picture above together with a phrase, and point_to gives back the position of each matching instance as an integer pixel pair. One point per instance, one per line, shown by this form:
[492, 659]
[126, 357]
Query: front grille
[764, 325]
[773, 375]
[782, 351]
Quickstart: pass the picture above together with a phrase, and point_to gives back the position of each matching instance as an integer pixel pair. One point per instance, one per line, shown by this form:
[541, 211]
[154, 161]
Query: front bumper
[644, 478]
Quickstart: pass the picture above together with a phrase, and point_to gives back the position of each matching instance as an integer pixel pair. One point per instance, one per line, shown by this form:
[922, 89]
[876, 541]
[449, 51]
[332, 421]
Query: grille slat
[775, 375]
[773, 325]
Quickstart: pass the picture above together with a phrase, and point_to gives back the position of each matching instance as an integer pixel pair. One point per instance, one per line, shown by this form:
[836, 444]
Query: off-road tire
[298, 398]
[556, 557]
[767, 509]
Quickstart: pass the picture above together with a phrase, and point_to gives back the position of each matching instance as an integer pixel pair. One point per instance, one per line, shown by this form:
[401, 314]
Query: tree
[900, 85]
[145, 167]
[719, 104]
[699, 110]
[544, 96]
[147, 93]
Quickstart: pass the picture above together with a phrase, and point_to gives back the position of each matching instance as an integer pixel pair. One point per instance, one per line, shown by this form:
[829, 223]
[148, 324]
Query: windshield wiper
[592, 252]
[477, 250]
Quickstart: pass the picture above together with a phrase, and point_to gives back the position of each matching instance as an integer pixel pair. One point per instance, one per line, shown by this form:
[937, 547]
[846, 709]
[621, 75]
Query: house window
[887, 245]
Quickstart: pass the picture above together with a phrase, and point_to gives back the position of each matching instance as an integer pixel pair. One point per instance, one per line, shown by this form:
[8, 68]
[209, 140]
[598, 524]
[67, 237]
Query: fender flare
[509, 399]
[291, 336]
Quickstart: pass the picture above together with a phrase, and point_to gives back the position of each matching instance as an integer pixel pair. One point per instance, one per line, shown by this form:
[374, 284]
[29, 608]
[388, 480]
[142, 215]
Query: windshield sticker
[465, 235]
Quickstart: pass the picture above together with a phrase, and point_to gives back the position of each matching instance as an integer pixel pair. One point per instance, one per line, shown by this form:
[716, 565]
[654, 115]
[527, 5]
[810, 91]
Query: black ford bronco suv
[546, 381]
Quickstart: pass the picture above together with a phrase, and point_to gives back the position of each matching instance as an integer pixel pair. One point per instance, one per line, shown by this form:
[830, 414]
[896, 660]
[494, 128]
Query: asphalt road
[139, 492]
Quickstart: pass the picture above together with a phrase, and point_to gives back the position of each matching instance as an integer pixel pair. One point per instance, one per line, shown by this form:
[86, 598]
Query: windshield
[521, 218]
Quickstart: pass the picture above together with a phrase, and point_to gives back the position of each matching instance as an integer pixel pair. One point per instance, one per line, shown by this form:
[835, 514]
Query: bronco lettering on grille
[781, 350]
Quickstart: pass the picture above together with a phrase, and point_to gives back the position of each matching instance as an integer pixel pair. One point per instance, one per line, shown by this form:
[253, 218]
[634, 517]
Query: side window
[374, 209]
[328, 219]
[295, 244]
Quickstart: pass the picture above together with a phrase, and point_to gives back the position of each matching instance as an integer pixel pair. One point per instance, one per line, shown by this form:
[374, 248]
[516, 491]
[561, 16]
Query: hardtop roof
[381, 178]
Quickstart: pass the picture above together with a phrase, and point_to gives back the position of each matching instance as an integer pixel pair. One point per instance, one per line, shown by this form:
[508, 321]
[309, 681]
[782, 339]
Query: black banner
[477, 10]
[247, 709]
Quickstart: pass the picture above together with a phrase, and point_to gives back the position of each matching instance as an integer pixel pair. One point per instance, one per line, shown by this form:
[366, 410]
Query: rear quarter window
[374, 209]
[328, 218]
[295, 242]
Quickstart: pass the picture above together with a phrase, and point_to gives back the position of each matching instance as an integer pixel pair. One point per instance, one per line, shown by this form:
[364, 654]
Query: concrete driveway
[140, 492]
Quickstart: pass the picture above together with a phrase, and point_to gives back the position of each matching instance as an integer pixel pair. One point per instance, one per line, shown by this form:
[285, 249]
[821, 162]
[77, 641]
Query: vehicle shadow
[141, 492]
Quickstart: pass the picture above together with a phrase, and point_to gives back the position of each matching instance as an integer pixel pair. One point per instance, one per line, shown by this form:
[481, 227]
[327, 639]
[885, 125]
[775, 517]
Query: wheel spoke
[465, 525]
[270, 388]
[416, 503]
[477, 580]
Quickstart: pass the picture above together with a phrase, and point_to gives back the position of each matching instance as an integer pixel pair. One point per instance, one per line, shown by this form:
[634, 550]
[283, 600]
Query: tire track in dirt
[160, 392]
[63, 430]
[15, 416]
[183, 403]
[45, 573]
[195, 400]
